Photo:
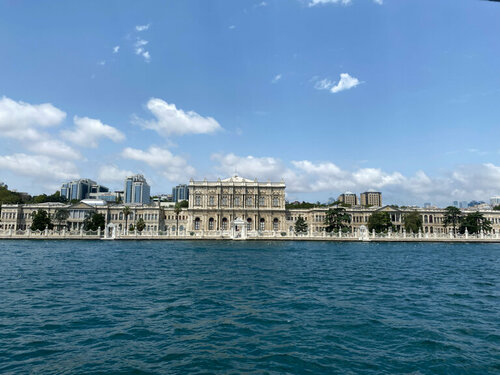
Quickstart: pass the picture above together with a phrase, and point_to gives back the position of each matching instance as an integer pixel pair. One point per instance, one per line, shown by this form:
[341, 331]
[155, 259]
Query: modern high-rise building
[137, 190]
[371, 198]
[495, 201]
[80, 189]
[349, 198]
[180, 193]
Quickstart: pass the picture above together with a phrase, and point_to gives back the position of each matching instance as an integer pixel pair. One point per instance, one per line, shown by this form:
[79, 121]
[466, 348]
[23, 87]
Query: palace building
[223, 204]
[235, 207]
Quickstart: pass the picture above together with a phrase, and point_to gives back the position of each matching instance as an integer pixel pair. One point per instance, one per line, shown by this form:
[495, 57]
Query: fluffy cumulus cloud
[174, 168]
[171, 120]
[53, 147]
[39, 167]
[346, 82]
[304, 176]
[22, 120]
[113, 174]
[88, 132]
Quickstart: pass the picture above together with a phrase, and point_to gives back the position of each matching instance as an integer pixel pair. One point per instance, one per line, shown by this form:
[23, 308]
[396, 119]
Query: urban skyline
[331, 109]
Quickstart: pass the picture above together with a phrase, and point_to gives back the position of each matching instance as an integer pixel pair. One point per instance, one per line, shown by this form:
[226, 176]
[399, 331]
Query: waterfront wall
[253, 235]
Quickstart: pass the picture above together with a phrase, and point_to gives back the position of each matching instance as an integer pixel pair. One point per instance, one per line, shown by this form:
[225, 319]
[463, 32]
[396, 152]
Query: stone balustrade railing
[251, 235]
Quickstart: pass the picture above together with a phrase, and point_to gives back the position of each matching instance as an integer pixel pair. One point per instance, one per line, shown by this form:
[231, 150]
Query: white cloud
[102, 63]
[343, 2]
[53, 147]
[319, 2]
[39, 167]
[249, 166]
[20, 120]
[142, 27]
[262, 4]
[276, 78]
[170, 120]
[304, 176]
[346, 82]
[113, 174]
[88, 132]
[174, 168]
[116, 49]
[232, 27]
[141, 51]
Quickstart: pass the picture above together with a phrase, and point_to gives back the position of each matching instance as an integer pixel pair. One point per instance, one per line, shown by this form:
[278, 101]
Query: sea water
[201, 307]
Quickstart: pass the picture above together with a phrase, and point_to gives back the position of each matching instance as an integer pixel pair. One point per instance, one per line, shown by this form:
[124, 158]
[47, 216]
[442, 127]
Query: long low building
[235, 205]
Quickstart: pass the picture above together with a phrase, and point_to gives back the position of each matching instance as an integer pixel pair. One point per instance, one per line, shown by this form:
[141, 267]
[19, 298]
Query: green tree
[126, 212]
[412, 221]
[497, 208]
[300, 226]
[379, 221]
[177, 211]
[183, 204]
[337, 219]
[94, 221]
[140, 224]
[41, 220]
[43, 198]
[474, 222]
[452, 217]
[61, 216]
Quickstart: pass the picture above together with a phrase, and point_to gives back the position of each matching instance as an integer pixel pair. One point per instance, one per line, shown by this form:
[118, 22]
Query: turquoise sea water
[176, 307]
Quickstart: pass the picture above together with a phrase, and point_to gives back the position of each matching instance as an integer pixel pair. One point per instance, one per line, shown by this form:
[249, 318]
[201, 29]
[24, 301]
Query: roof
[237, 178]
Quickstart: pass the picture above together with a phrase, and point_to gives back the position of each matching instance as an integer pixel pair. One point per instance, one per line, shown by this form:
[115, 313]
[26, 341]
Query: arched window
[262, 224]
[197, 222]
[275, 224]
[430, 219]
[426, 219]
[249, 224]
[224, 223]
[197, 200]
[211, 223]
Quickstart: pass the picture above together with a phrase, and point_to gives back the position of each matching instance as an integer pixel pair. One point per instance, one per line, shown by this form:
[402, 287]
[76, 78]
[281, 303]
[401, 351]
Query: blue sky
[396, 96]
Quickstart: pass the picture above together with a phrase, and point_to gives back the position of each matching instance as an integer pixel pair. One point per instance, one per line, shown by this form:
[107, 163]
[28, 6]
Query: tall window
[211, 200]
[224, 200]
[262, 224]
[249, 224]
[224, 224]
[197, 200]
[211, 223]
[275, 224]
[236, 201]
[197, 223]
[262, 201]
[276, 202]
[249, 202]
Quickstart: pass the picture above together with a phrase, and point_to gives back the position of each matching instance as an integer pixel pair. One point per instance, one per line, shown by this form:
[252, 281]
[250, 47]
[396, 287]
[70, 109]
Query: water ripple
[185, 307]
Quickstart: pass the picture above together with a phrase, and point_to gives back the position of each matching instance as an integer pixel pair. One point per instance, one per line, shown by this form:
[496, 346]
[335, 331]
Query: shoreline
[277, 239]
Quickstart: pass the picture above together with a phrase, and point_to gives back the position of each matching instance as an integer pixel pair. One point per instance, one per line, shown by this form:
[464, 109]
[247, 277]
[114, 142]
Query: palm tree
[126, 211]
[452, 216]
[61, 215]
[177, 210]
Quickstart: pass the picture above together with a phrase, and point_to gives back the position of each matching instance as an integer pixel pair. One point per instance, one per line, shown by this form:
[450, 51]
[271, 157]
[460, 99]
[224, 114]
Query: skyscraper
[80, 189]
[180, 193]
[137, 190]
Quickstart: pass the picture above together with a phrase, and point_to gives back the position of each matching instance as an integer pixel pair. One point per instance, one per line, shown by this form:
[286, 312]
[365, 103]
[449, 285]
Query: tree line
[338, 220]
